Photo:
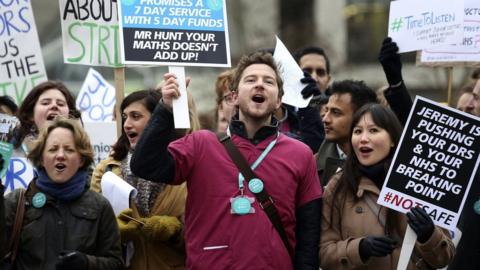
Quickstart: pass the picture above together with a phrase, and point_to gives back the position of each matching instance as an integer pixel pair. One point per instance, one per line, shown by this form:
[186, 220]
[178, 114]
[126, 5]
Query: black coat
[86, 224]
[467, 255]
[3, 236]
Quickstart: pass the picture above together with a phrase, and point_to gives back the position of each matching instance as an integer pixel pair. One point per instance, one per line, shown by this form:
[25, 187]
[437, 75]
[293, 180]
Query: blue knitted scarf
[68, 191]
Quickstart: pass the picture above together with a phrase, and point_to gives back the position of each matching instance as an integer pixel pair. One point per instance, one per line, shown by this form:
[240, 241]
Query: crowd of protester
[256, 184]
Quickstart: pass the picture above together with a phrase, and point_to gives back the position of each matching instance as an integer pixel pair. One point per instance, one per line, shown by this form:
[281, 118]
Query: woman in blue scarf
[65, 226]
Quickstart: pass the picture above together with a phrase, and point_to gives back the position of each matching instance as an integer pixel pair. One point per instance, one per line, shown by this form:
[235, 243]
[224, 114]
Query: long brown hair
[25, 112]
[149, 98]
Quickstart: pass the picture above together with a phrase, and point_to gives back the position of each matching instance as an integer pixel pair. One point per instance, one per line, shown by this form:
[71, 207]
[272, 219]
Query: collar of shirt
[237, 127]
[341, 154]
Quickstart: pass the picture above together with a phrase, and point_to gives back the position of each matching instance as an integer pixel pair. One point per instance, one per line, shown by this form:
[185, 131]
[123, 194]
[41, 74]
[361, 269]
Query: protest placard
[466, 53]
[102, 137]
[96, 99]
[21, 62]
[434, 163]
[416, 25]
[171, 32]
[90, 32]
[8, 124]
[19, 174]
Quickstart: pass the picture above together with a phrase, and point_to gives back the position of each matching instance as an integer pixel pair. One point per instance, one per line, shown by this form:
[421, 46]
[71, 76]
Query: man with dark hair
[219, 233]
[346, 97]
[315, 62]
[350, 96]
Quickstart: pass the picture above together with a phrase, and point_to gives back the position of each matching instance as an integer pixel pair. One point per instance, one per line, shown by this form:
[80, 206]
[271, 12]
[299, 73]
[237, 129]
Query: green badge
[255, 185]
[39, 200]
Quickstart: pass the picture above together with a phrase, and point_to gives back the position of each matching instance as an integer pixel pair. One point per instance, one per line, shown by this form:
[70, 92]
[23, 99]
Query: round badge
[39, 200]
[241, 206]
[476, 207]
[255, 185]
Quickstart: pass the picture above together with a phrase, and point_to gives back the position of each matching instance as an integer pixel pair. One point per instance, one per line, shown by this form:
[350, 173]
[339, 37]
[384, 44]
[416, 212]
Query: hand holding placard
[170, 90]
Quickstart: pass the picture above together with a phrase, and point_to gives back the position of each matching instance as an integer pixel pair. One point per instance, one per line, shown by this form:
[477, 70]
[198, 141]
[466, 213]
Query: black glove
[377, 246]
[391, 62]
[72, 260]
[421, 223]
[311, 88]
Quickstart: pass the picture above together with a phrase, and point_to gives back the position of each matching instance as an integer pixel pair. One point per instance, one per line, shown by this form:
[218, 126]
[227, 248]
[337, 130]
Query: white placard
[180, 105]
[19, 174]
[291, 75]
[416, 25]
[466, 51]
[102, 136]
[117, 191]
[96, 98]
[90, 33]
[21, 61]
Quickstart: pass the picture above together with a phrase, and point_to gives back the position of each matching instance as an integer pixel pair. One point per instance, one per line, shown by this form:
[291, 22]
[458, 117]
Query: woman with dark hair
[157, 239]
[43, 103]
[356, 232]
[65, 225]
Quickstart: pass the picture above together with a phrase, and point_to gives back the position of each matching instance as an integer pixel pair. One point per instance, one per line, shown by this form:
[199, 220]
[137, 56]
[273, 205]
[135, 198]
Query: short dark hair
[360, 93]
[256, 58]
[25, 112]
[475, 74]
[298, 54]
[149, 99]
[9, 102]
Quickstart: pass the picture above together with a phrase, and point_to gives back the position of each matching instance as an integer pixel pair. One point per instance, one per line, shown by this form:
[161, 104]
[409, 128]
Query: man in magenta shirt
[217, 235]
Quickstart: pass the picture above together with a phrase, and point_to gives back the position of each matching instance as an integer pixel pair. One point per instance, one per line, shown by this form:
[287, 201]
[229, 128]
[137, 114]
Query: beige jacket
[339, 243]
[170, 202]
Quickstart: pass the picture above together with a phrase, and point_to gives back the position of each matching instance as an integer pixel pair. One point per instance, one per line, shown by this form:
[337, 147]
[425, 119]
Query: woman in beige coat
[356, 232]
[155, 232]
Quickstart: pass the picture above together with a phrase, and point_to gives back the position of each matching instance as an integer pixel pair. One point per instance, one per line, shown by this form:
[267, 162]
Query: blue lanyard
[257, 162]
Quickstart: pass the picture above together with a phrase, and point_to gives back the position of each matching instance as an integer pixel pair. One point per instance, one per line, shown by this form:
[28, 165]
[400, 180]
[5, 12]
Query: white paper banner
[117, 191]
[102, 136]
[96, 99]
[291, 74]
[466, 51]
[416, 25]
[90, 32]
[21, 61]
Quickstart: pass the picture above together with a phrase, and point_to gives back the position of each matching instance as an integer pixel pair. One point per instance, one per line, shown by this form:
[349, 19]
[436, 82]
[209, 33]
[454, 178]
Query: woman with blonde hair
[156, 232]
[65, 225]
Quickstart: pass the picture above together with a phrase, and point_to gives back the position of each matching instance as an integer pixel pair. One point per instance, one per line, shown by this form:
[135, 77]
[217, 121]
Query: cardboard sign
[19, 174]
[182, 33]
[96, 98]
[102, 136]
[435, 163]
[90, 32]
[21, 62]
[466, 51]
[416, 25]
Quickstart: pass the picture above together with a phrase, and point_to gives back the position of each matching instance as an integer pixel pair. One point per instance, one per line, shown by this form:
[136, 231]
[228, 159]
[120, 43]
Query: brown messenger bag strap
[264, 200]
[17, 227]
